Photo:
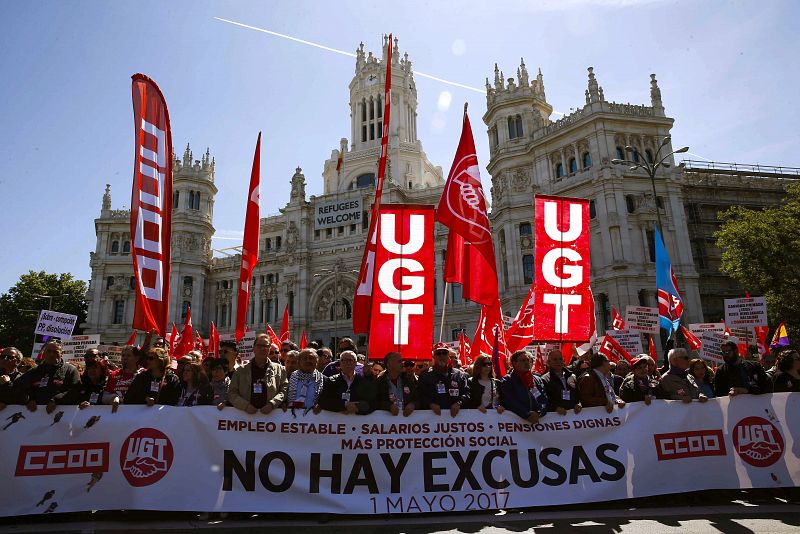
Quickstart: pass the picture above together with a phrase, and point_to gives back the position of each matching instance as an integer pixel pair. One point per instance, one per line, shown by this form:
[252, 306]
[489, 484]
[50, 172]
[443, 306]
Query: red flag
[490, 321]
[173, 340]
[566, 351]
[151, 205]
[498, 359]
[187, 337]
[303, 340]
[693, 341]
[132, 339]
[761, 339]
[285, 324]
[275, 339]
[199, 344]
[652, 347]
[362, 300]
[464, 349]
[470, 251]
[617, 322]
[539, 363]
[520, 334]
[249, 243]
[213, 340]
[612, 350]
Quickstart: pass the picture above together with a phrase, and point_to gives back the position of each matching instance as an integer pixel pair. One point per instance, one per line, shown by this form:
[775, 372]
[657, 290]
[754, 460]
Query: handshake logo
[145, 457]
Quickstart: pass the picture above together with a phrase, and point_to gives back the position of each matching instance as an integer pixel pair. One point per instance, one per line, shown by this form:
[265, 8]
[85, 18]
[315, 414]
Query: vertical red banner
[562, 297]
[151, 205]
[402, 296]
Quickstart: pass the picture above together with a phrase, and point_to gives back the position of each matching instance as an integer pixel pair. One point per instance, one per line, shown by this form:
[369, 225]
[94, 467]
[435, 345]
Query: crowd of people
[312, 380]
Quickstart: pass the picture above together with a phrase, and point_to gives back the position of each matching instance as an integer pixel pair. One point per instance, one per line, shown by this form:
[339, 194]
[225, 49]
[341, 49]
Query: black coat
[515, 396]
[382, 397]
[744, 374]
[168, 394]
[82, 392]
[8, 394]
[476, 391]
[555, 388]
[60, 378]
[455, 388]
[330, 398]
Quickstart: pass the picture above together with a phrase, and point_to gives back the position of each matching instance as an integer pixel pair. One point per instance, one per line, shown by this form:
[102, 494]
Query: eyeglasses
[486, 364]
[408, 364]
[273, 353]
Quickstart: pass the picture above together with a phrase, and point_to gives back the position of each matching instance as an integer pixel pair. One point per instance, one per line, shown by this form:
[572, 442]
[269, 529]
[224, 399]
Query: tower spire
[107, 198]
[498, 78]
[594, 93]
[523, 73]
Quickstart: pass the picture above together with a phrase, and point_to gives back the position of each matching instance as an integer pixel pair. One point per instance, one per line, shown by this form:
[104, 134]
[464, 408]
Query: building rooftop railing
[740, 168]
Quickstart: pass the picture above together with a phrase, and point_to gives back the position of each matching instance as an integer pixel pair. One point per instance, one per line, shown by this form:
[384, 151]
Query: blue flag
[670, 303]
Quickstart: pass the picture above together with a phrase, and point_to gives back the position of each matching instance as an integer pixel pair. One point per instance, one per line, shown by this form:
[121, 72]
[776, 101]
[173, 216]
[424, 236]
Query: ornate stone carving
[521, 179]
[292, 237]
[332, 295]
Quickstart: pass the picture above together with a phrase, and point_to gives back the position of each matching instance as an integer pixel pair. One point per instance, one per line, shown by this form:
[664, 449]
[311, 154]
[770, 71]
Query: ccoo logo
[145, 457]
[757, 441]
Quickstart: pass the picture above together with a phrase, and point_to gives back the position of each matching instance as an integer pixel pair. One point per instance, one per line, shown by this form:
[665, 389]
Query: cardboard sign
[710, 351]
[699, 328]
[76, 346]
[245, 345]
[630, 341]
[55, 324]
[641, 319]
[112, 352]
[749, 311]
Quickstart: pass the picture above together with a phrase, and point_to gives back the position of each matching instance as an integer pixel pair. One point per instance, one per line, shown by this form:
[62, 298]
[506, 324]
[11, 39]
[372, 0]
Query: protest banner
[244, 346]
[112, 352]
[76, 346]
[145, 459]
[641, 319]
[699, 328]
[55, 324]
[710, 350]
[747, 311]
[630, 341]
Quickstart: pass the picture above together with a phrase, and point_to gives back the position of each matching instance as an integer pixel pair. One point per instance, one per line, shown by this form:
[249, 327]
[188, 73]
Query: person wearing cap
[49, 378]
[522, 391]
[637, 386]
[678, 383]
[561, 385]
[396, 389]
[260, 385]
[737, 376]
[595, 387]
[442, 386]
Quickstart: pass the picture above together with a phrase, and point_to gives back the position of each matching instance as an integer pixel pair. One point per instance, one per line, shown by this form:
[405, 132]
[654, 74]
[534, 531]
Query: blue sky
[727, 72]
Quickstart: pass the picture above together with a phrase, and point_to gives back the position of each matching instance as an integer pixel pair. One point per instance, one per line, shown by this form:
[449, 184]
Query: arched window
[268, 244]
[371, 108]
[380, 107]
[270, 279]
[525, 229]
[196, 204]
[119, 312]
[592, 210]
[573, 165]
[363, 110]
[126, 247]
[115, 247]
[515, 126]
[176, 195]
[630, 203]
[559, 170]
[365, 180]
[635, 155]
[109, 282]
[190, 200]
[587, 160]
[185, 309]
[648, 155]
[620, 153]
[277, 242]
[527, 268]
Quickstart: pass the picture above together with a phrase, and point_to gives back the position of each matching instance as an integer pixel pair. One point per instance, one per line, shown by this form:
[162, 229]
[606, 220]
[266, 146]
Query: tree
[19, 308]
[761, 250]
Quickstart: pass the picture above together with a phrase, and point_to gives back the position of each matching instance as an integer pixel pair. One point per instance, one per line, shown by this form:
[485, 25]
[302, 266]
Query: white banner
[76, 346]
[55, 324]
[641, 319]
[630, 341]
[698, 328]
[710, 350]
[202, 459]
[337, 213]
[748, 311]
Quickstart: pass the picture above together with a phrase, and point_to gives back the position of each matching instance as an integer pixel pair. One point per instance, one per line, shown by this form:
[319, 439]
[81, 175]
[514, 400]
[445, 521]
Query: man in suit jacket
[561, 385]
[595, 387]
[522, 391]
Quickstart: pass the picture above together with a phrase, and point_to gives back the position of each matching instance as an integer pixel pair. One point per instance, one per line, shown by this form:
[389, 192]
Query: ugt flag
[670, 303]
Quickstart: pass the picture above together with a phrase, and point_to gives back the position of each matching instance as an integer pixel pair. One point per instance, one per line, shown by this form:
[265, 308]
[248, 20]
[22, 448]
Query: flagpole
[444, 310]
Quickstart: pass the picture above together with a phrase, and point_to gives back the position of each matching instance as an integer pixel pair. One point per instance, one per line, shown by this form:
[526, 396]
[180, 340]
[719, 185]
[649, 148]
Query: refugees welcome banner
[165, 458]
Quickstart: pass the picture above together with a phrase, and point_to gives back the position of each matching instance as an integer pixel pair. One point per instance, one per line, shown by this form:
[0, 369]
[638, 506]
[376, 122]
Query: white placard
[641, 319]
[747, 311]
[337, 213]
[698, 328]
[710, 350]
[630, 341]
[55, 324]
[245, 345]
[76, 346]
[113, 352]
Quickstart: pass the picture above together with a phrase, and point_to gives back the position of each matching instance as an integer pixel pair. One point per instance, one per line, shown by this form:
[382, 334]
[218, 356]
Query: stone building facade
[310, 259]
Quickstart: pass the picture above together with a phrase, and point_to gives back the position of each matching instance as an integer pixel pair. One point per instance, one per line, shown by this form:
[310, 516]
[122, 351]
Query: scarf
[679, 372]
[299, 377]
[527, 379]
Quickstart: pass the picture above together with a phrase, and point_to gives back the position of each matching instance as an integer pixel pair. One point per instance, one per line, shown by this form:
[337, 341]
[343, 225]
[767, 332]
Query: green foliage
[761, 250]
[19, 308]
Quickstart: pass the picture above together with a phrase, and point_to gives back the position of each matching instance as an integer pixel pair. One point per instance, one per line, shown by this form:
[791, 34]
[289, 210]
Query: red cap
[439, 346]
[637, 361]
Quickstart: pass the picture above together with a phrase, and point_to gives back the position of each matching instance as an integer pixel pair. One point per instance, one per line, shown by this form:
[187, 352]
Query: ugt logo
[757, 441]
[145, 457]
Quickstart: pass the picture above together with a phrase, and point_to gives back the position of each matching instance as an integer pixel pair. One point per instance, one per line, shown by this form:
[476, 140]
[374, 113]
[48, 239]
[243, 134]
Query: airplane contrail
[342, 52]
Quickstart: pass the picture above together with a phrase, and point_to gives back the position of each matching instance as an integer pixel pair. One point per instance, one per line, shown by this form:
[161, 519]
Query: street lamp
[651, 168]
[336, 274]
[50, 299]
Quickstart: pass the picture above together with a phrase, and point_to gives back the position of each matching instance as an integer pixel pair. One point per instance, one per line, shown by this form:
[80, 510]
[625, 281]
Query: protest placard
[641, 319]
[630, 341]
[698, 328]
[748, 311]
[710, 351]
[76, 346]
[112, 352]
[55, 324]
[245, 345]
